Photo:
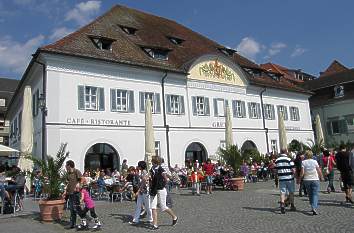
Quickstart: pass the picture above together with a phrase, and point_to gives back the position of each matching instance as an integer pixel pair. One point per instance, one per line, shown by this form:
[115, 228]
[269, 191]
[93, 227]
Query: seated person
[2, 182]
[101, 182]
[16, 184]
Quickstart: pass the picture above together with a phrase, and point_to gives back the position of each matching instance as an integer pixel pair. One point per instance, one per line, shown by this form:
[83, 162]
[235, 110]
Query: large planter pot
[237, 183]
[51, 209]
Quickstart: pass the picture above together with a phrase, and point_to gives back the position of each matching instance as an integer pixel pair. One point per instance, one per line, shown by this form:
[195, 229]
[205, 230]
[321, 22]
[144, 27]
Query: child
[89, 206]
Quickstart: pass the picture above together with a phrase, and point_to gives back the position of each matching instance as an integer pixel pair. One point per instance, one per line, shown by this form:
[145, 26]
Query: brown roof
[152, 31]
[329, 80]
[335, 67]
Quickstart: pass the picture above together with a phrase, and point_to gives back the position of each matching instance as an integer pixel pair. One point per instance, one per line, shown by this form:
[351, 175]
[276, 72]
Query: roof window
[175, 40]
[129, 30]
[103, 43]
[159, 54]
[227, 51]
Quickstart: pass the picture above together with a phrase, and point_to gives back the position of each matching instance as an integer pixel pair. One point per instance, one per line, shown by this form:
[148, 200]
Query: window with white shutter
[155, 101]
[91, 98]
[294, 114]
[239, 109]
[269, 112]
[252, 109]
[283, 110]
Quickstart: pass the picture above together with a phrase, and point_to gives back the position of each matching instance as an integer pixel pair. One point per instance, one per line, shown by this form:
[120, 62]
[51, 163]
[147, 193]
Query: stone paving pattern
[253, 210]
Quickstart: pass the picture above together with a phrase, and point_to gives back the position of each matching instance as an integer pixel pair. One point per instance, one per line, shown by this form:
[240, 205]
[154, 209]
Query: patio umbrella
[228, 128]
[149, 134]
[6, 151]
[319, 132]
[26, 131]
[282, 133]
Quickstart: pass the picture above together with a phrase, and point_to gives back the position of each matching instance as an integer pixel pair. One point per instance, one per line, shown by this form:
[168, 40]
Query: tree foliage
[232, 157]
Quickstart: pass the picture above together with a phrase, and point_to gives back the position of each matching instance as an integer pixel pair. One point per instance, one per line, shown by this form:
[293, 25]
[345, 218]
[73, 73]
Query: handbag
[326, 169]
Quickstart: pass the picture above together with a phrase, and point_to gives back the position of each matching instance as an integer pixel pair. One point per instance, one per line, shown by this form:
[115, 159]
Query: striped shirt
[285, 166]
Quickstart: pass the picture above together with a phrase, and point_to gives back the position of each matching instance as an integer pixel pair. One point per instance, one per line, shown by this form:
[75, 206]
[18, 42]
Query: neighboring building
[97, 79]
[296, 76]
[334, 102]
[7, 89]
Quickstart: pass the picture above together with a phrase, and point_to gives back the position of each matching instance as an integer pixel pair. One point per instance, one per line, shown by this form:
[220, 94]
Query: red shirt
[325, 162]
[209, 169]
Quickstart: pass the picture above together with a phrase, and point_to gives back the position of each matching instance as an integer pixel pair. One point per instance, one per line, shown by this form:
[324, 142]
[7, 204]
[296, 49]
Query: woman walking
[328, 165]
[143, 197]
[312, 174]
[158, 192]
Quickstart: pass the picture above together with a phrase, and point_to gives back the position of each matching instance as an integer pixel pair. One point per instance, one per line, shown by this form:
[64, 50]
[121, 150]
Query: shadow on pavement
[126, 218]
[266, 209]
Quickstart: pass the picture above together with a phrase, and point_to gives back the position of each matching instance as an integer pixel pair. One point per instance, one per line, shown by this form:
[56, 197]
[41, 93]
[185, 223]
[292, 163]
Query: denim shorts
[209, 179]
[287, 186]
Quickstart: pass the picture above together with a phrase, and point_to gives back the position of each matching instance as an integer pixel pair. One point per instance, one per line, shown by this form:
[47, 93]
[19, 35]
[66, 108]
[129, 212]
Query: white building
[94, 83]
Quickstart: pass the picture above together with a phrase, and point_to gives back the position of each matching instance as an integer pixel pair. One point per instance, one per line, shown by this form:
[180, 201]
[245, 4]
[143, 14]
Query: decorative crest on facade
[216, 70]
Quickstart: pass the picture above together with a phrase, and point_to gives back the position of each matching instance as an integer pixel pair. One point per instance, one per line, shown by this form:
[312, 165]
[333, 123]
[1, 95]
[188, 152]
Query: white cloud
[298, 51]
[83, 12]
[14, 56]
[59, 33]
[249, 47]
[275, 48]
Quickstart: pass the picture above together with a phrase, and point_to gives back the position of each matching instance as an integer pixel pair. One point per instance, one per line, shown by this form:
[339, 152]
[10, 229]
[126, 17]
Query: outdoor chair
[98, 192]
[117, 192]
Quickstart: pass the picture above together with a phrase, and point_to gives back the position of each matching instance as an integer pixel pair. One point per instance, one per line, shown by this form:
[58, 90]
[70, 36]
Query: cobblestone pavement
[253, 210]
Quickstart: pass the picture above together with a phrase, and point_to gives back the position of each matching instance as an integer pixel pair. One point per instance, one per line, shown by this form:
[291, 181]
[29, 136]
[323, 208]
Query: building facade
[333, 101]
[7, 89]
[95, 83]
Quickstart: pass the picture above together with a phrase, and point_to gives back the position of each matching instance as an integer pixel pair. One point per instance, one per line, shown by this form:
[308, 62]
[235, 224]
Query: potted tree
[232, 157]
[52, 207]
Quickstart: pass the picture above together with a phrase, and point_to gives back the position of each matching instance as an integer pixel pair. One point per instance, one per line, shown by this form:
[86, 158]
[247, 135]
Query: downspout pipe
[165, 125]
[44, 109]
[263, 118]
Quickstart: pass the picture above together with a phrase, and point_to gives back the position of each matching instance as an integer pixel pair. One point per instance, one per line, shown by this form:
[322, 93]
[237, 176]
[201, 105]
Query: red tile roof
[152, 31]
[335, 67]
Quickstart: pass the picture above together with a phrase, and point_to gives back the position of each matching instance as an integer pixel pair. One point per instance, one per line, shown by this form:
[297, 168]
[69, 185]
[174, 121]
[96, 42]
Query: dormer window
[129, 30]
[338, 91]
[175, 40]
[227, 51]
[159, 54]
[103, 43]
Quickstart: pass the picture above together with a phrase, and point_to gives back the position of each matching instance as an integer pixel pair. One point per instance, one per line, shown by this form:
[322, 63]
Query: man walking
[73, 178]
[343, 165]
[285, 168]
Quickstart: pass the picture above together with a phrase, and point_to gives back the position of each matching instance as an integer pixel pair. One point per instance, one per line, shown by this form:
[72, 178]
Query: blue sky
[300, 34]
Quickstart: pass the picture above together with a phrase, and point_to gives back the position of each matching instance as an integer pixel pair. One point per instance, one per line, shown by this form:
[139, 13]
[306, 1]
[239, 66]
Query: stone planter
[238, 184]
[51, 209]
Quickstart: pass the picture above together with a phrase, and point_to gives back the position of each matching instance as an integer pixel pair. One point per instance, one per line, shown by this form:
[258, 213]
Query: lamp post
[42, 106]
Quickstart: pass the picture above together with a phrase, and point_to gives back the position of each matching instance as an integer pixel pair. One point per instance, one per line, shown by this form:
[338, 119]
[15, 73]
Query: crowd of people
[150, 188]
[307, 170]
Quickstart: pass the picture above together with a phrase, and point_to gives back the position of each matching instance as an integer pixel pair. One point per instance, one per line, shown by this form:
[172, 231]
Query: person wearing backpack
[158, 192]
[328, 162]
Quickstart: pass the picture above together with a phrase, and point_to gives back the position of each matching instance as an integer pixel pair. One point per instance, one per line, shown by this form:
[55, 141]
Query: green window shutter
[259, 113]
[234, 108]
[81, 97]
[168, 104]
[181, 98]
[194, 105]
[142, 102]
[101, 98]
[329, 128]
[273, 112]
[113, 100]
[207, 106]
[157, 103]
[243, 109]
[215, 108]
[131, 107]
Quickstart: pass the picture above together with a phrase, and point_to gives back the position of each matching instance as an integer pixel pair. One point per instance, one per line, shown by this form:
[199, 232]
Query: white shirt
[310, 172]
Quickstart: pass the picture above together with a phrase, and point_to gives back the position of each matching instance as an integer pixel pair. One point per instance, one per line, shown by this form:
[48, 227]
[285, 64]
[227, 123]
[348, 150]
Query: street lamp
[42, 104]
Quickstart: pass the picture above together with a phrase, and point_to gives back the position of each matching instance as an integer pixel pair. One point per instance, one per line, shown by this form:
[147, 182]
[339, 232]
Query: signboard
[215, 71]
[97, 122]
[292, 128]
[218, 124]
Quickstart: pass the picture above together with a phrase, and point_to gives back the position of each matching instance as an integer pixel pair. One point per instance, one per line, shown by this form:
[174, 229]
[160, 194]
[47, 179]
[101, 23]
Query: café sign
[97, 121]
